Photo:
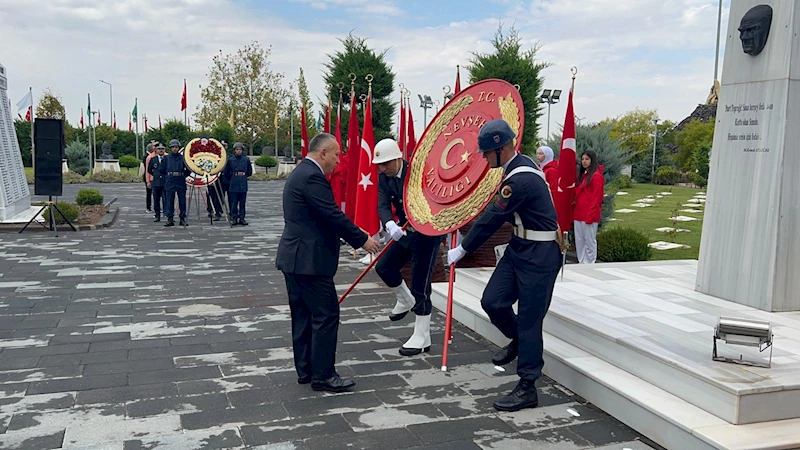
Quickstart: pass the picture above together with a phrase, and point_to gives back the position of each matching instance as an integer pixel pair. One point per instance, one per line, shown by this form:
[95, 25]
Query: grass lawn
[29, 172]
[647, 219]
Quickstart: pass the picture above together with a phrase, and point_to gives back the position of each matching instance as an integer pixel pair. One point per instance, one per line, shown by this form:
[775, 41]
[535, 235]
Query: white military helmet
[385, 151]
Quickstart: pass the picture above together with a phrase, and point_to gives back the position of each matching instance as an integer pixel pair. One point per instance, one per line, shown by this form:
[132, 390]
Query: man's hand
[148, 185]
[371, 246]
[455, 255]
[395, 232]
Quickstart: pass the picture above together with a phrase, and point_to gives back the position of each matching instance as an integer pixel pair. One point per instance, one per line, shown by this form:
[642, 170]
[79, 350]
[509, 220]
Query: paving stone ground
[145, 337]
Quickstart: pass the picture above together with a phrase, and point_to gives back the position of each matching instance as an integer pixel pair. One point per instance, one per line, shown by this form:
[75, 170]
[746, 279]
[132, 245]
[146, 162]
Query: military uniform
[529, 266]
[238, 169]
[157, 182]
[175, 172]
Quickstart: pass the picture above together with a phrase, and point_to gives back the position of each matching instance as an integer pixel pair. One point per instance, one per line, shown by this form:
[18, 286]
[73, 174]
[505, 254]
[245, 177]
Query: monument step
[638, 332]
[665, 418]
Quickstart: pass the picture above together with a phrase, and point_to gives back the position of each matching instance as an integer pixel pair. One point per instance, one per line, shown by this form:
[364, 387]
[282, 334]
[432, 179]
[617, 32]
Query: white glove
[455, 255]
[394, 231]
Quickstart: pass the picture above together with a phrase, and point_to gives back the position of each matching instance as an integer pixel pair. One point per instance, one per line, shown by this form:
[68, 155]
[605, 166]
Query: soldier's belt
[532, 235]
[177, 174]
[239, 173]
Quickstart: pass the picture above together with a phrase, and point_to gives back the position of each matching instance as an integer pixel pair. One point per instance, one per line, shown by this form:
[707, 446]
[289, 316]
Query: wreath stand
[196, 193]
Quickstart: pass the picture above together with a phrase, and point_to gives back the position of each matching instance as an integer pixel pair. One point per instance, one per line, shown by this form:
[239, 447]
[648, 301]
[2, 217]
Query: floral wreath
[205, 156]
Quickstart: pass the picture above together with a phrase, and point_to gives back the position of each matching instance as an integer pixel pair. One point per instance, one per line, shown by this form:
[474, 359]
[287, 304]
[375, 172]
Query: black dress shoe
[157, 219]
[333, 384]
[413, 351]
[304, 380]
[396, 317]
[523, 396]
[243, 222]
[170, 223]
[184, 223]
[506, 354]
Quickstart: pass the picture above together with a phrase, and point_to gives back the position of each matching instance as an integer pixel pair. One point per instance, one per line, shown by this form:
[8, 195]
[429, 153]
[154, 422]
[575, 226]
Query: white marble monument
[15, 197]
[749, 253]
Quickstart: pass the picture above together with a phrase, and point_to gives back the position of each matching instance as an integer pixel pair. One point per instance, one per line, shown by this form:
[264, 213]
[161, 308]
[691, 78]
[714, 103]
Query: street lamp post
[110, 99]
[425, 103]
[655, 138]
[551, 97]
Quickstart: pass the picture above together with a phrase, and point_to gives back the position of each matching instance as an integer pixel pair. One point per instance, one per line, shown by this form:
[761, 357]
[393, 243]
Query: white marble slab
[670, 229]
[683, 218]
[692, 211]
[641, 205]
[625, 211]
[661, 245]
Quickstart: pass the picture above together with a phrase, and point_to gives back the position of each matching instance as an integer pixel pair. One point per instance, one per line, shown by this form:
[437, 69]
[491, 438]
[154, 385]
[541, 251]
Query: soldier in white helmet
[410, 245]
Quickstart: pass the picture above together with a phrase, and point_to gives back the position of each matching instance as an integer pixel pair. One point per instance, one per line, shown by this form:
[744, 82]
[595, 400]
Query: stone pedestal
[106, 164]
[15, 197]
[749, 253]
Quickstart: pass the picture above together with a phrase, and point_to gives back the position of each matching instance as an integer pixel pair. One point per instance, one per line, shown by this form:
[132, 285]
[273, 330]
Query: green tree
[50, 106]
[634, 131]
[305, 99]
[222, 131]
[124, 143]
[693, 136]
[359, 59]
[77, 157]
[701, 159]
[172, 129]
[23, 129]
[511, 63]
[245, 84]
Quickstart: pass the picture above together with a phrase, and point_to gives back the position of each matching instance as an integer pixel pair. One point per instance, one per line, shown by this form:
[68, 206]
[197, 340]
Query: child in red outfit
[589, 192]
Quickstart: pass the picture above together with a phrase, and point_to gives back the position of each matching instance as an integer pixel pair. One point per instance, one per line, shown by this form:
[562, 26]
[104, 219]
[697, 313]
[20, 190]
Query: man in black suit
[308, 256]
[159, 179]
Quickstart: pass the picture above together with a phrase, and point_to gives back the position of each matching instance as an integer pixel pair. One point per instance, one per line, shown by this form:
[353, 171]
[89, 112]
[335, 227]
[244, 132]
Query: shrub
[622, 244]
[29, 178]
[622, 182]
[697, 180]
[89, 197]
[77, 157]
[266, 161]
[129, 161]
[110, 176]
[70, 210]
[261, 177]
[74, 178]
[667, 176]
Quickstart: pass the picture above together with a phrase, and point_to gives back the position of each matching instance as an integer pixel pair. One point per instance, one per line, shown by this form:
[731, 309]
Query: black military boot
[157, 219]
[243, 222]
[523, 396]
[170, 222]
[183, 223]
[506, 354]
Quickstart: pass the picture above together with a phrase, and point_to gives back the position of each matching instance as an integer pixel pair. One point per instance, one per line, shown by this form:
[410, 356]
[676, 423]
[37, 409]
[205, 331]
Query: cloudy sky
[649, 54]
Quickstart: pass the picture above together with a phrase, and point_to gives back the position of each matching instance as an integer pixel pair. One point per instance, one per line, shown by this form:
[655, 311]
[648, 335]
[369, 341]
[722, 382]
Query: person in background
[149, 151]
[238, 170]
[587, 207]
[156, 179]
[544, 155]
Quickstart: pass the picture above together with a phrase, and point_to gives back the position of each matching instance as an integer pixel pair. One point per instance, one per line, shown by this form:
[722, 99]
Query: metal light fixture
[750, 333]
[551, 97]
[425, 102]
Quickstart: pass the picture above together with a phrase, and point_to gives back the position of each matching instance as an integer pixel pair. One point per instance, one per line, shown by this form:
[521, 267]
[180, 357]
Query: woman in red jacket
[544, 155]
[589, 192]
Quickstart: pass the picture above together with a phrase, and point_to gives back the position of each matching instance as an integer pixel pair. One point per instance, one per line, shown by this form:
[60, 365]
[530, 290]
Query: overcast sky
[649, 54]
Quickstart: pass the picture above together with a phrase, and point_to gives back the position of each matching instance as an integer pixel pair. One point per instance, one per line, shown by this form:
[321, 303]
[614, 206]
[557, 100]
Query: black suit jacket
[390, 193]
[313, 225]
[154, 169]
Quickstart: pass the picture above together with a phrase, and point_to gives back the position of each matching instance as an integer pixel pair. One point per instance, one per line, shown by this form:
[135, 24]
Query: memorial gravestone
[749, 249]
[15, 196]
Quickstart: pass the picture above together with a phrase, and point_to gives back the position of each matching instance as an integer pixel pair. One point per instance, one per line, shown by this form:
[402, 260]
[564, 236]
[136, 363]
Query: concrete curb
[108, 220]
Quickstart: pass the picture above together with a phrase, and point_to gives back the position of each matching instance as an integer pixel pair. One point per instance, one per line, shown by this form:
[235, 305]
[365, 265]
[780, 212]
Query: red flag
[303, 133]
[457, 89]
[115, 121]
[130, 124]
[337, 177]
[566, 169]
[81, 118]
[353, 149]
[183, 98]
[411, 138]
[367, 191]
[159, 121]
[145, 124]
[402, 134]
[98, 117]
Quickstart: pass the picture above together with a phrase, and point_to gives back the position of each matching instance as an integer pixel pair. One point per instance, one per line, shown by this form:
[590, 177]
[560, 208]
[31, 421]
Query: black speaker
[48, 139]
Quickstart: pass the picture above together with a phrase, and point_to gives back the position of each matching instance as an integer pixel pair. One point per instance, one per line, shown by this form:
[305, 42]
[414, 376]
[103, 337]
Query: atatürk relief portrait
[754, 29]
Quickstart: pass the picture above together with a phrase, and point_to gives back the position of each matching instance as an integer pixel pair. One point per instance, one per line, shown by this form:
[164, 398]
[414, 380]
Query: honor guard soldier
[529, 266]
[157, 179]
[420, 249]
[175, 172]
[238, 169]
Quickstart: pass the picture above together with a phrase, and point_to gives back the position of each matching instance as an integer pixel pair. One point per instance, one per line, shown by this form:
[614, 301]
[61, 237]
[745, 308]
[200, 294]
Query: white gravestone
[14, 194]
[750, 251]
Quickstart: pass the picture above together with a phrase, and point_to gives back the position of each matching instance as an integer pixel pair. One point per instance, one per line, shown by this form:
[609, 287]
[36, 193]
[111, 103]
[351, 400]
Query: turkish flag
[457, 89]
[402, 141]
[338, 178]
[81, 118]
[303, 133]
[115, 121]
[98, 117]
[566, 170]
[353, 149]
[130, 125]
[411, 139]
[367, 190]
[183, 98]
[327, 126]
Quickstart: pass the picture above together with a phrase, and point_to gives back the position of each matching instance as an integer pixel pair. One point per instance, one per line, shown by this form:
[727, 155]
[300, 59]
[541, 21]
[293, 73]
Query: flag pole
[366, 271]
[448, 320]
